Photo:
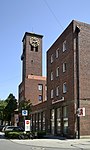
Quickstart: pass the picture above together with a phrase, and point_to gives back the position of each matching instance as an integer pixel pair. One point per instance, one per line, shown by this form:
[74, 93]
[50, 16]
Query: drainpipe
[77, 75]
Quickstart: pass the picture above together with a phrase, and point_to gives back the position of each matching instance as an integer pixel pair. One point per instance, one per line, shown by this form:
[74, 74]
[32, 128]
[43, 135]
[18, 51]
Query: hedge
[24, 135]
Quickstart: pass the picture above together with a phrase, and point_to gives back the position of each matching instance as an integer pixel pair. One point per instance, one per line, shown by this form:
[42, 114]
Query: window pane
[51, 75]
[57, 53]
[58, 120]
[57, 91]
[57, 71]
[64, 46]
[40, 97]
[64, 67]
[52, 93]
[40, 87]
[51, 58]
[64, 88]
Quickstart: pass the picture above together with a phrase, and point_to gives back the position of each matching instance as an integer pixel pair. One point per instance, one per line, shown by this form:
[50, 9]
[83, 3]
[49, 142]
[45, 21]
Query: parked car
[12, 128]
[1, 127]
[18, 128]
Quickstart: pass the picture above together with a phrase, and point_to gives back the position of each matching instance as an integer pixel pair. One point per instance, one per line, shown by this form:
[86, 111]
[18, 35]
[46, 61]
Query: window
[65, 120]
[52, 93]
[51, 58]
[64, 87]
[57, 91]
[36, 121]
[32, 48]
[57, 71]
[64, 45]
[57, 53]
[36, 49]
[40, 86]
[51, 76]
[40, 97]
[58, 121]
[45, 92]
[43, 121]
[64, 67]
[52, 121]
[39, 119]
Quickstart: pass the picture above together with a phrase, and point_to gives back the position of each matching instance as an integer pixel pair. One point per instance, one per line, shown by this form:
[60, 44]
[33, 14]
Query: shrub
[40, 134]
[22, 135]
[12, 135]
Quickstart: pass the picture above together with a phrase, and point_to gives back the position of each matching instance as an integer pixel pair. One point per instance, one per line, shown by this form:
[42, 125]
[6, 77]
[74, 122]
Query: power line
[53, 14]
[9, 79]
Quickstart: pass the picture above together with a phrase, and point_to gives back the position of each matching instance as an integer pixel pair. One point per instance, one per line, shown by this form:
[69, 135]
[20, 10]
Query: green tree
[3, 104]
[10, 107]
[25, 105]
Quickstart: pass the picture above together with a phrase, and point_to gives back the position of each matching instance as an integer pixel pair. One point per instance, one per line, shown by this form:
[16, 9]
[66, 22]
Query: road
[43, 144]
[9, 145]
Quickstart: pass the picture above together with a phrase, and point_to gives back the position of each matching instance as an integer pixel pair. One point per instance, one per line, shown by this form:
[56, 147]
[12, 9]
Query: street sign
[81, 112]
[24, 113]
[27, 125]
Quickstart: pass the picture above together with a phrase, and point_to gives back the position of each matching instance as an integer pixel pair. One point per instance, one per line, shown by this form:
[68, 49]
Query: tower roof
[32, 34]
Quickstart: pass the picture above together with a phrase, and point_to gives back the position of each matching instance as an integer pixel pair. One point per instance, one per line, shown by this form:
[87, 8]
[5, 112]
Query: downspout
[77, 76]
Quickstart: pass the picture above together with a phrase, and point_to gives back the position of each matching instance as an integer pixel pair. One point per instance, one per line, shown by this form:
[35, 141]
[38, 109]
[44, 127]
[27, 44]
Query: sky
[45, 17]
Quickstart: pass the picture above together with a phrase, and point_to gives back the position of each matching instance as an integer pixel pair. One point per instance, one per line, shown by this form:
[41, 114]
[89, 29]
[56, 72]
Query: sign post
[24, 113]
[27, 125]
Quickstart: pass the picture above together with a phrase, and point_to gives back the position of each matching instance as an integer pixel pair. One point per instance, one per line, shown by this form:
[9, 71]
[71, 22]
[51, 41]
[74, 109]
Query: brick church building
[60, 105]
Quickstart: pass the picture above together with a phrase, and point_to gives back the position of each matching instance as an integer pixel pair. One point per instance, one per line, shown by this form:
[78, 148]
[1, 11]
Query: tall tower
[32, 55]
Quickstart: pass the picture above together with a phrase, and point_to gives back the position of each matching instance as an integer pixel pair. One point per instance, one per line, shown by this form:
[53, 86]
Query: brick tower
[33, 83]
[32, 55]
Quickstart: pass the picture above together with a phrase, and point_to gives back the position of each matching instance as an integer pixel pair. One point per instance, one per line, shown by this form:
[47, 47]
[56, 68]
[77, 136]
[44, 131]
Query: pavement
[56, 143]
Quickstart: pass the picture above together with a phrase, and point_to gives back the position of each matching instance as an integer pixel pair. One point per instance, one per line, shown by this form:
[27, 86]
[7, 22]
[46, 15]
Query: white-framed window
[40, 86]
[57, 71]
[57, 53]
[52, 58]
[64, 67]
[51, 76]
[52, 93]
[64, 87]
[64, 46]
[57, 91]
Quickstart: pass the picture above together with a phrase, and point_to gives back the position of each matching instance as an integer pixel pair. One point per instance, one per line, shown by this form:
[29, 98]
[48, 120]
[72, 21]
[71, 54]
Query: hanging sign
[81, 112]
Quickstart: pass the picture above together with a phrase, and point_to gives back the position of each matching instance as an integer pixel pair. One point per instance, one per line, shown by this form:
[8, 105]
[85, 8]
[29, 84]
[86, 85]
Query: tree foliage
[25, 105]
[10, 107]
[3, 104]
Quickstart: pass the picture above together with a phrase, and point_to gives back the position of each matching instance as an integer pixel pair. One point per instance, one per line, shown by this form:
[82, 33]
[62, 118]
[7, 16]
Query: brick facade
[68, 82]
[76, 59]
[33, 85]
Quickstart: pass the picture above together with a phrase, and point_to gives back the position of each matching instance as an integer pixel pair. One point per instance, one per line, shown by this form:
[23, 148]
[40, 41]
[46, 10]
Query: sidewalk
[57, 143]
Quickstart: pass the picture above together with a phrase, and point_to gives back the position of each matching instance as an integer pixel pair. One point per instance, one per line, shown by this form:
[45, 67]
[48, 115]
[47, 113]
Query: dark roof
[32, 34]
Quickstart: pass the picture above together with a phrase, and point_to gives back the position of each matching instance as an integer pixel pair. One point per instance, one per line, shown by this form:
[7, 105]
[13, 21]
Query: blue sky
[46, 17]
